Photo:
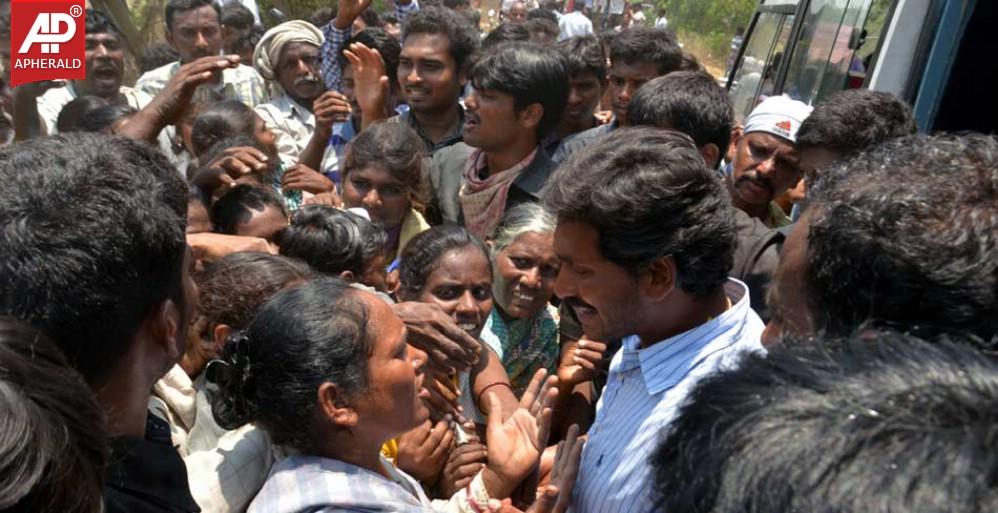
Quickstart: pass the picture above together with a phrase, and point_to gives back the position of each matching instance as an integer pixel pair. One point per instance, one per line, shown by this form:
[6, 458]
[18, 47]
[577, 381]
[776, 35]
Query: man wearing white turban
[301, 111]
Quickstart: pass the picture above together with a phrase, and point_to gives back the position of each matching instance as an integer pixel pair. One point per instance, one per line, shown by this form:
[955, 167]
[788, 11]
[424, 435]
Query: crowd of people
[385, 262]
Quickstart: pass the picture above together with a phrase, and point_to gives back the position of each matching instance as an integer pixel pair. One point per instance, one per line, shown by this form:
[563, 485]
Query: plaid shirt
[329, 66]
[311, 484]
[241, 83]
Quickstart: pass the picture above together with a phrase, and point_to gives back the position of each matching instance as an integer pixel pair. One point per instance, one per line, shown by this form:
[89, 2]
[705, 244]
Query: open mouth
[469, 327]
[105, 73]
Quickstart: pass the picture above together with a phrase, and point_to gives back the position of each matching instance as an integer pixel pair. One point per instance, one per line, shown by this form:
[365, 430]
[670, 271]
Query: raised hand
[370, 81]
[172, 101]
[347, 11]
[556, 496]
[463, 464]
[232, 164]
[443, 396]
[449, 347]
[515, 445]
[586, 357]
[423, 451]
[331, 107]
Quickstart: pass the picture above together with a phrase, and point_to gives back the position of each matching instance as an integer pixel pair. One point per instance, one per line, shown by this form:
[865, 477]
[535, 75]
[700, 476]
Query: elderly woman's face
[525, 274]
[392, 403]
[298, 71]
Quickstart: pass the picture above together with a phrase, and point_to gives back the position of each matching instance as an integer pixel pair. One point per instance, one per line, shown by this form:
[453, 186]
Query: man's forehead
[102, 36]
[425, 43]
[204, 15]
[639, 70]
[299, 48]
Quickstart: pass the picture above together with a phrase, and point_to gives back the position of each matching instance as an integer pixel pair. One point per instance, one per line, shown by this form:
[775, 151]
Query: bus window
[755, 74]
[833, 50]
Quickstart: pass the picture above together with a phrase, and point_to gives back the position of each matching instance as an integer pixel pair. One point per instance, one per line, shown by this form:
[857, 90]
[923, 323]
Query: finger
[235, 167]
[543, 428]
[477, 456]
[569, 473]
[588, 355]
[352, 57]
[530, 394]
[495, 417]
[443, 445]
[463, 346]
[255, 153]
[468, 471]
[546, 500]
[436, 434]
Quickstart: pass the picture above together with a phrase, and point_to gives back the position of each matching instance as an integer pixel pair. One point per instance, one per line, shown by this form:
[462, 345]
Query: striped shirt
[645, 388]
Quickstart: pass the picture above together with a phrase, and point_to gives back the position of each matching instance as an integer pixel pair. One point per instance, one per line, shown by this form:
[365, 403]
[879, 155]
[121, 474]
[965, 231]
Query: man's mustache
[307, 80]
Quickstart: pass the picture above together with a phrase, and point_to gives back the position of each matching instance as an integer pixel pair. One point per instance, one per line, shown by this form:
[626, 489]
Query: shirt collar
[667, 362]
[292, 110]
[454, 137]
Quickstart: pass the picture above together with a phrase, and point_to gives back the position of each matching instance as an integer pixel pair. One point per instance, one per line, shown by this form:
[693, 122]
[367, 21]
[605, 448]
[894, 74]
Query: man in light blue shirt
[646, 238]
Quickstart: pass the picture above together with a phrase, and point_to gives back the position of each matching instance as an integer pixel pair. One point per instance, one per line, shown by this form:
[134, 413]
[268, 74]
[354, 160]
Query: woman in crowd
[382, 173]
[231, 290]
[449, 267]
[522, 328]
[325, 368]
[53, 447]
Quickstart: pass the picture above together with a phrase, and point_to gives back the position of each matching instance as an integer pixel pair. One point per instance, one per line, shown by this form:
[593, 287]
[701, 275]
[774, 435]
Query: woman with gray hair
[523, 326]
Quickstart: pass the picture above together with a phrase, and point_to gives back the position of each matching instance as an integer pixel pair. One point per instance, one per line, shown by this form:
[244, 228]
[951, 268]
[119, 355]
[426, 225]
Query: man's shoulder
[241, 73]
[576, 142]
[157, 75]
[453, 154]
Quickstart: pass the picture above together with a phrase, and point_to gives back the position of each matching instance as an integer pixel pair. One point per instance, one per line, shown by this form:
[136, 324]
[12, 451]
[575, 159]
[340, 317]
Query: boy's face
[375, 274]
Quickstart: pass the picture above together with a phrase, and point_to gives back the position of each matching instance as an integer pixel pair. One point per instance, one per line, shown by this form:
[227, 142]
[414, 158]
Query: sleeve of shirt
[473, 498]
[403, 11]
[330, 51]
[287, 149]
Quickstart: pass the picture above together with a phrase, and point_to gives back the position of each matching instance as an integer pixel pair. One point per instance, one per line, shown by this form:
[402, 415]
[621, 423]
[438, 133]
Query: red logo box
[47, 40]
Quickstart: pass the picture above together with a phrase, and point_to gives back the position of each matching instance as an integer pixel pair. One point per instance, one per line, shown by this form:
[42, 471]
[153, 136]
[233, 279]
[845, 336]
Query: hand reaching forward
[556, 496]
[515, 445]
[370, 82]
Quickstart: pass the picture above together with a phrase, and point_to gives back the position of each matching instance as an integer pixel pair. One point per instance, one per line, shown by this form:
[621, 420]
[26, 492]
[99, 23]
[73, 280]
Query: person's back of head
[531, 74]
[105, 119]
[690, 102]
[584, 54]
[237, 205]
[333, 241]
[923, 212]
[156, 55]
[462, 37]
[848, 122]
[542, 30]
[647, 193]
[879, 422]
[92, 244]
[220, 121]
[542, 14]
[236, 16]
[72, 113]
[53, 448]
[647, 45]
[506, 32]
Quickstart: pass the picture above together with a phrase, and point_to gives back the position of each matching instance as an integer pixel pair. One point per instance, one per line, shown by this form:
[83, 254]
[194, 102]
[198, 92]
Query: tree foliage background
[707, 26]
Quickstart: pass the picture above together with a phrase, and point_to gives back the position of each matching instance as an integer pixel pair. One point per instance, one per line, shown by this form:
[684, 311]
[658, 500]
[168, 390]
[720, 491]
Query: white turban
[778, 115]
[268, 50]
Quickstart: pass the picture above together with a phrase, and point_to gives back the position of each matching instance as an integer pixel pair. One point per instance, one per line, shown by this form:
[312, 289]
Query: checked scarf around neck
[483, 201]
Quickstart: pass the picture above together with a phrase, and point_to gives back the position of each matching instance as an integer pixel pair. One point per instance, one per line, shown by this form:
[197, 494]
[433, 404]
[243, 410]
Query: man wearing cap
[302, 112]
[766, 162]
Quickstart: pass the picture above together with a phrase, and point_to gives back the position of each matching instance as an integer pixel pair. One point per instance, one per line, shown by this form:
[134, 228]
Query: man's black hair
[322, 16]
[462, 36]
[506, 32]
[103, 118]
[648, 195]
[156, 55]
[644, 44]
[528, 72]
[98, 22]
[542, 30]
[881, 422]
[176, 6]
[387, 46]
[236, 206]
[331, 240]
[542, 14]
[371, 18]
[237, 16]
[921, 214]
[91, 242]
[852, 120]
[71, 113]
[688, 101]
[456, 4]
[584, 54]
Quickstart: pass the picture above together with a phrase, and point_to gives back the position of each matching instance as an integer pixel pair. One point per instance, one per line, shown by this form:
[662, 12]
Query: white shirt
[574, 24]
[51, 103]
[293, 125]
[644, 389]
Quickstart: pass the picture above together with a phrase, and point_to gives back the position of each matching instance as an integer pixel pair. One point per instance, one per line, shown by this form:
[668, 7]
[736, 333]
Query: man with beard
[302, 116]
[194, 30]
[766, 162]
[38, 104]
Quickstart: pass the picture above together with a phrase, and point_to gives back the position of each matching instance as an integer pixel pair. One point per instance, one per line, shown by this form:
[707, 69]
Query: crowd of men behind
[385, 262]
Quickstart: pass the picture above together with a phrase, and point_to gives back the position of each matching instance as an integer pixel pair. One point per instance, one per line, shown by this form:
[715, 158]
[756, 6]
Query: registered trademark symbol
[75, 11]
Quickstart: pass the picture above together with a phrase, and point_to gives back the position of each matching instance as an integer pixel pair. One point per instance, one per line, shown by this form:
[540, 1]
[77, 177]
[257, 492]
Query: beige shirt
[293, 125]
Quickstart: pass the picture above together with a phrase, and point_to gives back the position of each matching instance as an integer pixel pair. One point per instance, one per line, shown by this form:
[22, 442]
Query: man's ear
[219, 335]
[334, 408]
[348, 276]
[531, 116]
[166, 331]
[169, 39]
[710, 154]
[659, 279]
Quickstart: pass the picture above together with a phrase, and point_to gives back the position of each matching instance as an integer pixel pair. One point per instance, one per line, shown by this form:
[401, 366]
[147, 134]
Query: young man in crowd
[903, 235]
[237, 22]
[302, 115]
[838, 425]
[636, 56]
[37, 105]
[93, 254]
[645, 237]
[585, 59]
[848, 122]
[766, 162]
[693, 103]
[194, 30]
[518, 96]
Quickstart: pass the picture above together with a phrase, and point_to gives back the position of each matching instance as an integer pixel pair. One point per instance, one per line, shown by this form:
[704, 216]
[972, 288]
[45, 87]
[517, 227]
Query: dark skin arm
[331, 107]
[27, 122]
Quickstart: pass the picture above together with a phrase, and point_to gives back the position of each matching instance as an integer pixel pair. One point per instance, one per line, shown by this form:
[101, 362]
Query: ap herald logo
[47, 40]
